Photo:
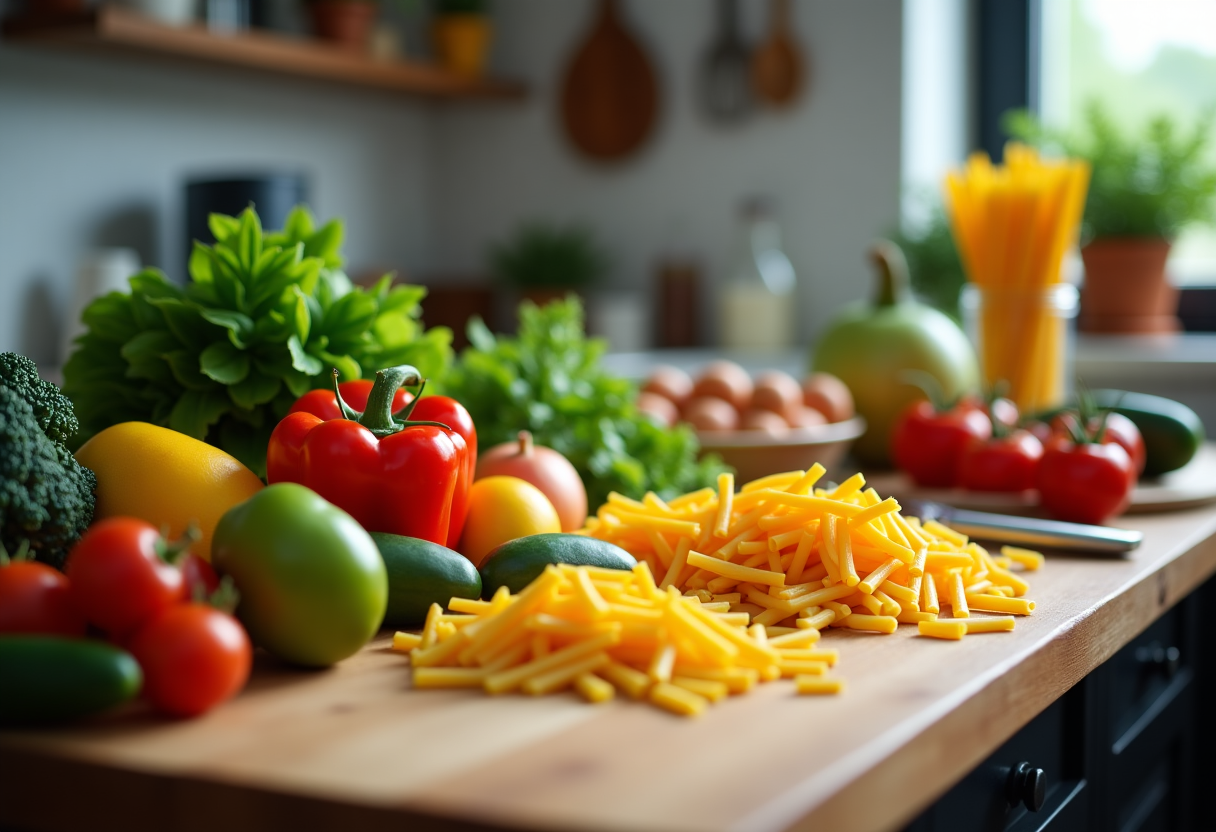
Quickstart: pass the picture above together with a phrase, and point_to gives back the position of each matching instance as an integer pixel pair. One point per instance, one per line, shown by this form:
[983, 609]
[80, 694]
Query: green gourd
[871, 343]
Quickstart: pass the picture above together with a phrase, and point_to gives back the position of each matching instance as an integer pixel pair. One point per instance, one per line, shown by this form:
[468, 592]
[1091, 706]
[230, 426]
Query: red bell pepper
[392, 476]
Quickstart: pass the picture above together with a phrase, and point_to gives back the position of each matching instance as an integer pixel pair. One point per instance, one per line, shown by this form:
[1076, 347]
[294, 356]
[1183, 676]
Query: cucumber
[53, 679]
[517, 563]
[421, 573]
[1172, 431]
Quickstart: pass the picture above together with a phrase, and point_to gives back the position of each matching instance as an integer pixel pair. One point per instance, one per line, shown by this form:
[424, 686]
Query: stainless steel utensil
[1026, 531]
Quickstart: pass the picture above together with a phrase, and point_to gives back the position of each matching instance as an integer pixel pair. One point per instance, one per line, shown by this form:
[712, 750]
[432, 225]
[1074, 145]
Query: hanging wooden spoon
[610, 97]
[777, 63]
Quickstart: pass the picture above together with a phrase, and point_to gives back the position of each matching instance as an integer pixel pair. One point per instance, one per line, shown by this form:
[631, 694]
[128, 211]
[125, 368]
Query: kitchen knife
[1026, 531]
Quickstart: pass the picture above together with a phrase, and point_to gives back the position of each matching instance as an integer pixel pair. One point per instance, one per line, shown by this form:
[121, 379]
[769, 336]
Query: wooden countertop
[355, 747]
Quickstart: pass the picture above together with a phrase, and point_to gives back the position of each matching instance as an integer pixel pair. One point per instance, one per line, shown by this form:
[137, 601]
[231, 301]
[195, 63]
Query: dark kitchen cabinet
[1123, 751]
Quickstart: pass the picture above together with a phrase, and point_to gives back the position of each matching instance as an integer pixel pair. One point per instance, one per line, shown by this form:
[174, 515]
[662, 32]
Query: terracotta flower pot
[1125, 289]
[347, 24]
[462, 43]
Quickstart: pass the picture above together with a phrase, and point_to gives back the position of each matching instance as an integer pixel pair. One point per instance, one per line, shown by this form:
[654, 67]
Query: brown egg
[801, 416]
[765, 420]
[725, 380]
[776, 391]
[671, 383]
[829, 395]
[660, 407]
[711, 413]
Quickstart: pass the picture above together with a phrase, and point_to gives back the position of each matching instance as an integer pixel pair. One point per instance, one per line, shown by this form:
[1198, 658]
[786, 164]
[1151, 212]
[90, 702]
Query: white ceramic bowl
[754, 454]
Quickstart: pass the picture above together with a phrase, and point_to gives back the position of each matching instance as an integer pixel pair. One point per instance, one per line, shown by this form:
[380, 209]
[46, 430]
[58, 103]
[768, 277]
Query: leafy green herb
[548, 380]
[933, 261]
[1142, 186]
[543, 256]
[263, 321]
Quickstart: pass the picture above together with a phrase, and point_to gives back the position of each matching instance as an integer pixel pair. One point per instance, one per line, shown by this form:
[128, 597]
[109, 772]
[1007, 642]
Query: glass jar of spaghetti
[1024, 337]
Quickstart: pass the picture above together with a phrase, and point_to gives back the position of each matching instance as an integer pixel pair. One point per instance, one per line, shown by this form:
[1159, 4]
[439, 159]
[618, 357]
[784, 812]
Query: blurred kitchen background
[105, 118]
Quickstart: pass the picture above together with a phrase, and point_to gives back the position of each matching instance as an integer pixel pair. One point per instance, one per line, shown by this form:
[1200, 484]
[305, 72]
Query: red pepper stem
[348, 412]
[525, 443]
[378, 418]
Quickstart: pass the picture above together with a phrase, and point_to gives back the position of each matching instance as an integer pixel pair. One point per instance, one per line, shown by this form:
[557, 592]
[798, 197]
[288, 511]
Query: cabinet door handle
[1026, 785]
[1157, 657]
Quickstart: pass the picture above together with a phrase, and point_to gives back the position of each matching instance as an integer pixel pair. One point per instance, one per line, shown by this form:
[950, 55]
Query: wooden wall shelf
[113, 30]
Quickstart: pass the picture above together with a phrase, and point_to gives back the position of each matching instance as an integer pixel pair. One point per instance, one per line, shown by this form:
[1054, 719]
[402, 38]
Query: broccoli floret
[53, 410]
[46, 496]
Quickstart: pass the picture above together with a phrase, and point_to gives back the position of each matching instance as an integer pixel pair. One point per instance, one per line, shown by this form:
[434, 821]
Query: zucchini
[421, 573]
[53, 679]
[517, 563]
[1172, 431]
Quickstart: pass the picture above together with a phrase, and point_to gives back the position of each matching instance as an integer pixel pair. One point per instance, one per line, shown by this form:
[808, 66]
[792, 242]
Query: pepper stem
[348, 412]
[525, 443]
[378, 418]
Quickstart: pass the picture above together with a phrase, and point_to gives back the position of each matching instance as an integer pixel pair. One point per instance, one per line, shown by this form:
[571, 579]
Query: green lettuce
[265, 318]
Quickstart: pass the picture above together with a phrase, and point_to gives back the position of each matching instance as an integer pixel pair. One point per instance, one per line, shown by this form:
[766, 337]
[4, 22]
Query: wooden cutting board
[610, 97]
[1192, 485]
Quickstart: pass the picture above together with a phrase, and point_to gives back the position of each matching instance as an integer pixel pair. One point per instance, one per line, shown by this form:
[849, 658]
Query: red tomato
[324, 404]
[34, 598]
[1123, 432]
[929, 445]
[1120, 430]
[453, 414]
[199, 577]
[1088, 483]
[1007, 463]
[119, 578]
[193, 657]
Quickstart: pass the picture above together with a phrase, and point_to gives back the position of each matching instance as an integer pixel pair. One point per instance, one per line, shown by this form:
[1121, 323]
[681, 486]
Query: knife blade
[1026, 531]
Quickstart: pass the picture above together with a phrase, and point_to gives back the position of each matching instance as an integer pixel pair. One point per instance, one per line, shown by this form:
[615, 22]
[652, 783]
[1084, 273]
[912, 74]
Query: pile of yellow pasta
[749, 581]
[1012, 225]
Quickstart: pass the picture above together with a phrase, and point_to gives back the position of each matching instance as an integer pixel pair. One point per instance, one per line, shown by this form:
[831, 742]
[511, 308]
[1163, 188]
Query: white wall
[425, 187]
[96, 151]
[831, 163]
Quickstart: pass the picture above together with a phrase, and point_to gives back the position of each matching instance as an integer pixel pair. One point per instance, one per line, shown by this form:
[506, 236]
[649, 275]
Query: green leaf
[200, 262]
[347, 367]
[222, 226]
[184, 365]
[224, 363]
[249, 240]
[301, 360]
[255, 390]
[325, 242]
[185, 322]
[298, 383]
[153, 343]
[195, 412]
[110, 318]
[240, 326]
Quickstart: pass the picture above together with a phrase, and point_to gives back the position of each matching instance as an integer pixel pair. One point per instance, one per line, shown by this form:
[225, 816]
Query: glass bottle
[759, 298]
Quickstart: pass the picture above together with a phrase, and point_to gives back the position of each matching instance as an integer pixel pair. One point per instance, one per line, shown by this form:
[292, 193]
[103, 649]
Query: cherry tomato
[453, 414]
[193, 657]
[324, 404]
[1006, 463]
[1120, 430]
[119, 576]
[1123, 431]
[929, 444]
[34, 598]
[1085, 483]
[199, 577]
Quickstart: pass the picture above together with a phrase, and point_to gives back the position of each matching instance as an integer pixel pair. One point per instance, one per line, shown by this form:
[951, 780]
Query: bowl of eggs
[759, 426]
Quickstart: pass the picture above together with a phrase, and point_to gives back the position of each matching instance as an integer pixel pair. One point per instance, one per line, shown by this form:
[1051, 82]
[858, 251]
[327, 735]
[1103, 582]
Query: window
[1139, 59]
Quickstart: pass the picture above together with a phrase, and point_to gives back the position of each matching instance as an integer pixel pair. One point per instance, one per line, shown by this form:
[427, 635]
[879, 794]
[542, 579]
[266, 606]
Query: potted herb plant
[546, 262]
[1144, 190]
[460, 33]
